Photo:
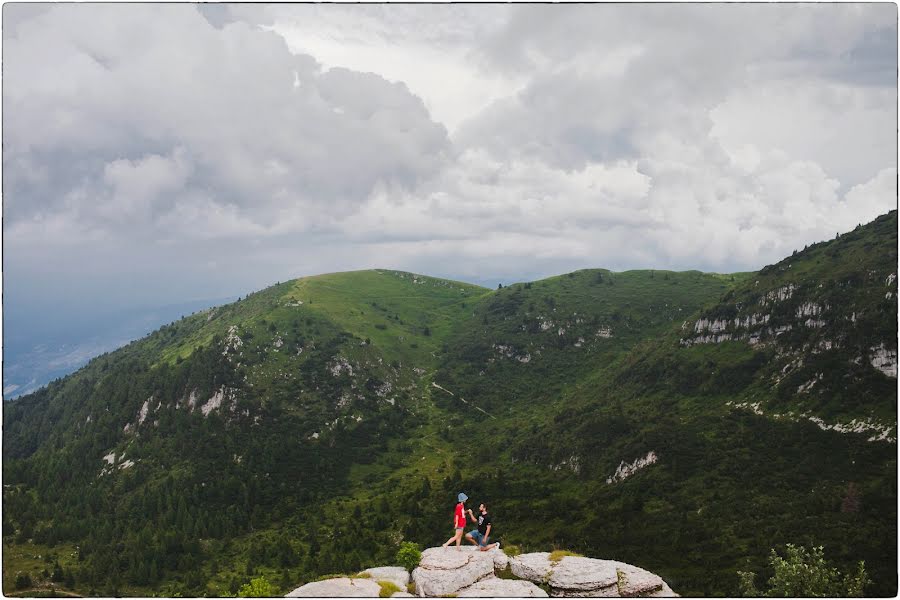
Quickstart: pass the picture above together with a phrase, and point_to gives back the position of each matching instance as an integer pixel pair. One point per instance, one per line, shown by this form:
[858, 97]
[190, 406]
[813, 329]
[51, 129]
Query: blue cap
[462, 497]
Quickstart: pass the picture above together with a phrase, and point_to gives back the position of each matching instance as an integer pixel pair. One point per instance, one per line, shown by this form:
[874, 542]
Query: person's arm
[487, 533]
[471, 516]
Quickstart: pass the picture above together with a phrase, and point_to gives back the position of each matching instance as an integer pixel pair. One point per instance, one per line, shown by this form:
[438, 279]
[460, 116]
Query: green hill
[685, 422]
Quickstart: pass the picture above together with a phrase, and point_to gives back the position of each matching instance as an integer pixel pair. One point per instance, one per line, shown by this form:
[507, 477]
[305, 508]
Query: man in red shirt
[459, 521]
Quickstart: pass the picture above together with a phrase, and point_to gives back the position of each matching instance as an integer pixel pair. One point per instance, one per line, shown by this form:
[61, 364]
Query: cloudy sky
[163, 153]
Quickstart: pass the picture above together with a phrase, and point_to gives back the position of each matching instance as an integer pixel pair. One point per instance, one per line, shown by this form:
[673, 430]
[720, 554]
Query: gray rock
[396, 575]
[664, 592]
[534, 566]
[634, 581]
[579, 575]
[501, 561]
[447, 570]
[341, 587]
[494, 587]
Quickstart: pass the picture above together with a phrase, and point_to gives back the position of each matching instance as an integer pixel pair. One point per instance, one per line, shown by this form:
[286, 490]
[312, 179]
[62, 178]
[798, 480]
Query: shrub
[408, 556]
[806, 573]
[23, 581]
[512, 550]
[258, 587]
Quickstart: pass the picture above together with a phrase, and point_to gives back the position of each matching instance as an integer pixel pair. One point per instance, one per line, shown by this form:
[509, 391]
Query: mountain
[687, 422]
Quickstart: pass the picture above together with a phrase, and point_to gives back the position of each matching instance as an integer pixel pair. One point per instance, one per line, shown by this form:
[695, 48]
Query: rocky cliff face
[825, 319]
[467, 572]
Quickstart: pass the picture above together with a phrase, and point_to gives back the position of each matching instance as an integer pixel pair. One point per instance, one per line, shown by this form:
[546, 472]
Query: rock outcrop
[470, 573]
[581, 577]
[445, 571]
[340, 587]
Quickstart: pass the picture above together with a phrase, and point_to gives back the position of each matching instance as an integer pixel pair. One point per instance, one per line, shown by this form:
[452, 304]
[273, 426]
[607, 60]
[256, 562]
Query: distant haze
[154, 154]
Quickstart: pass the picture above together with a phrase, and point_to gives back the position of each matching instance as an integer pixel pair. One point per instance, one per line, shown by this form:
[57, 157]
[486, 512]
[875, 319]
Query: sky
[163, 153]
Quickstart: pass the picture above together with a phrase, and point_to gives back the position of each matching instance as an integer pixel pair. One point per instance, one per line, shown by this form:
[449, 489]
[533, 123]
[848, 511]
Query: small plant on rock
[409, 555]
[558, 555]
[388, 588]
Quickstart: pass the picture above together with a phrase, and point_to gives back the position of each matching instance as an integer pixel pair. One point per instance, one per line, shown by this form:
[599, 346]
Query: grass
[388, 588]
[411, 587]
[558, 555]
[512, 550]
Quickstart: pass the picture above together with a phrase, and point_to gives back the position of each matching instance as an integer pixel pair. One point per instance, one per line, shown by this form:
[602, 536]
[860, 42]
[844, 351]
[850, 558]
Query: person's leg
[459, 534]
[474, 537]
[455, 538]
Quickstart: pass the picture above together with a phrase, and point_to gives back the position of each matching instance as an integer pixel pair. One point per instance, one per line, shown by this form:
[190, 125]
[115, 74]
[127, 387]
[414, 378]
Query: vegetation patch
[558, 555]
[388, 588]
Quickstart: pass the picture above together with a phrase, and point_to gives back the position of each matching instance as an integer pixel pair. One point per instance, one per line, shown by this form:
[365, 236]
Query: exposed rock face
[534, 566]
[884, 359]
[445, 571]
[626, 470]
[396, 575]
[342, 587]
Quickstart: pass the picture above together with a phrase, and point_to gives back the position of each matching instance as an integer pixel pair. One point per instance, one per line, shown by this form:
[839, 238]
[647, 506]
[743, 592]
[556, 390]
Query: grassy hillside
[311, 427]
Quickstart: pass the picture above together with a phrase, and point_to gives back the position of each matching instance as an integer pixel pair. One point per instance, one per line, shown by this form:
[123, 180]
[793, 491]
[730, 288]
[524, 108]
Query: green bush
[805, 573]
[408, 556]
[258, 587]
[23, 581]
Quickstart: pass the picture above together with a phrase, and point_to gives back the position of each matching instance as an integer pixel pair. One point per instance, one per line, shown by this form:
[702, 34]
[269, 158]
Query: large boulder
[580, 577]
[445, 571]
[399, 576]
[577, 576]
[534, 566]
[494, 587]
[634, 581]
[341, 587]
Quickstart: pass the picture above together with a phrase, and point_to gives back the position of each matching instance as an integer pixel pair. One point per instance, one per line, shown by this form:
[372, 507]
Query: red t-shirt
[459, 518]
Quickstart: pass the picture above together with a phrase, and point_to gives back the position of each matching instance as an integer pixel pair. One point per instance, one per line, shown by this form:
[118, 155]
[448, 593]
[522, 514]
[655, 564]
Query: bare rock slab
[494, 587]
[396, 575]
[341, 587]
[534, 566]
[501, 560]
[577, 575]
[634, 581]
[445, 571]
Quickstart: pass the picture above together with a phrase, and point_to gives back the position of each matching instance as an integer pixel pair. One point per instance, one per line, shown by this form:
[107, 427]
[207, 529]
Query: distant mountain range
[685, 422]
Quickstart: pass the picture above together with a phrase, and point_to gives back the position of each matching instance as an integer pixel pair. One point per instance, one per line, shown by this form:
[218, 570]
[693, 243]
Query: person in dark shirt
[480, 536]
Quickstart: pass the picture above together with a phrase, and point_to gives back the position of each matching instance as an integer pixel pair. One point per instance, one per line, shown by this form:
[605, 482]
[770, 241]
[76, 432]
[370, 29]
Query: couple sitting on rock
[478, 536]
